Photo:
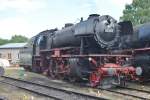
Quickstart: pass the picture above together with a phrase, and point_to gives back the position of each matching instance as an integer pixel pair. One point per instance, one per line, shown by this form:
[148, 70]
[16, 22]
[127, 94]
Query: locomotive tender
[80, 52]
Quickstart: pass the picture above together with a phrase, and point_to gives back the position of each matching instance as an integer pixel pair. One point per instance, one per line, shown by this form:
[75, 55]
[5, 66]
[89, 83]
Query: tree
[14, 39]
[138, 12]
[3, 41]
[18, 39]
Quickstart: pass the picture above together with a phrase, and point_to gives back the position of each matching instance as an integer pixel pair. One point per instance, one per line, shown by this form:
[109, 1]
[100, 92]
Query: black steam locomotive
[137, 44]
[83, 52]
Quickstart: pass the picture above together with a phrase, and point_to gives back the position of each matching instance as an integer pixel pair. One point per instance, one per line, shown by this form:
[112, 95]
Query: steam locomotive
[84, 52]
[137, 44]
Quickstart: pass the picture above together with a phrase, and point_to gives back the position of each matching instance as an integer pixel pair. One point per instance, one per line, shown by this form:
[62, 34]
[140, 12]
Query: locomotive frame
[104, 66]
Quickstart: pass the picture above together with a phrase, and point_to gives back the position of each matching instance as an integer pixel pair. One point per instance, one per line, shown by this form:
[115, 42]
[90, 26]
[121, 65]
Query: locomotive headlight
[90, 59]
[139, 71]
[127, 59]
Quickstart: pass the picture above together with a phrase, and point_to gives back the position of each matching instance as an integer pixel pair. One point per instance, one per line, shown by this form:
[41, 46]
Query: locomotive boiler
[96, 31]
[79, 52]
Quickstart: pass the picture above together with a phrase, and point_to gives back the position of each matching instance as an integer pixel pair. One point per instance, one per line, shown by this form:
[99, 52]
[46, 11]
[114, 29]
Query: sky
[29, 17]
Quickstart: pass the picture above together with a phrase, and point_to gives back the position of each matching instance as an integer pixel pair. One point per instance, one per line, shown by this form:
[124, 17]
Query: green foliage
[18, 39]
[14, 39]
[138, 12]
[3, 41]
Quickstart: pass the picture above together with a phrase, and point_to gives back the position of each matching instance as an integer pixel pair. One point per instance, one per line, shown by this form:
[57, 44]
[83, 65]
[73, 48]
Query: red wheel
[94, 79]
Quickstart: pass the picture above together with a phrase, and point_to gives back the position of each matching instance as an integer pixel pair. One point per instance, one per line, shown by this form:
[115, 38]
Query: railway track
[135, 89]
[63, 94]
[129, 92]
[136, 93]
[49, 91]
